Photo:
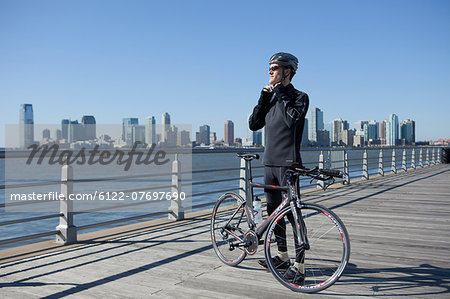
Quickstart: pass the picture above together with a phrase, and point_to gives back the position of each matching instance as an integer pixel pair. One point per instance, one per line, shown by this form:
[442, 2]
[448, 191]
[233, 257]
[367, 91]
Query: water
[200, 161]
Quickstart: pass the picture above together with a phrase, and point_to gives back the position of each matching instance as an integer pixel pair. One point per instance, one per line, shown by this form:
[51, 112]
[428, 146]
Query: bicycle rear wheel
[323, 263]
[228, 226]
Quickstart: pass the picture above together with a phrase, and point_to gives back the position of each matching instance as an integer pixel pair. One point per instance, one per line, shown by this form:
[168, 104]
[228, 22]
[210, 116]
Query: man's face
[276, 73]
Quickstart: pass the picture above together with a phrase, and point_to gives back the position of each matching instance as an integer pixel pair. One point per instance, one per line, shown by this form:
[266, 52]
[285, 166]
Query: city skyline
[387, 132]
[361, 60]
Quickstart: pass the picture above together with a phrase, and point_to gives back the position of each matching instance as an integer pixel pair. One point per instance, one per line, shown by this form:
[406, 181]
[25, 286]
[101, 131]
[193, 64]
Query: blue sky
[206, 61]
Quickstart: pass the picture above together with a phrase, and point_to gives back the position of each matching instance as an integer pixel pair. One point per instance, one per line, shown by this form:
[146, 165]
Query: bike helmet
[285, 59]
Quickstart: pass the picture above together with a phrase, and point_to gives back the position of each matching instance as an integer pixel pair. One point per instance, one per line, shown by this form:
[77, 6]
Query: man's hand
[268, 88]
[266, 96]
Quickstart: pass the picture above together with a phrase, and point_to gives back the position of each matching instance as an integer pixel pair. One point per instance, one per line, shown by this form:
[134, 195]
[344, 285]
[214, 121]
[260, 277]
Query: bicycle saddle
[248, 156]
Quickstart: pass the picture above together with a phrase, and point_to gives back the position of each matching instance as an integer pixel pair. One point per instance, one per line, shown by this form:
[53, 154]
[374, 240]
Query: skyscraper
[229, 132]
[392, 130]
[204, 135]
[65, 129]
[150, 130]
[127, 129]
[407, 131]
[165, 121]
[305, 140]
[89, 127]
[26, 125]
[316, 119]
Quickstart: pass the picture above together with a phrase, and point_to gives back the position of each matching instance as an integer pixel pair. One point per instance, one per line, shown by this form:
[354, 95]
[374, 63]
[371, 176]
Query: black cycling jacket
[283, 113]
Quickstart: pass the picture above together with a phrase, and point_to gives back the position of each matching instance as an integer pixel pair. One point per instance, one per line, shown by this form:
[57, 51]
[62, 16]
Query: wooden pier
[399, 227]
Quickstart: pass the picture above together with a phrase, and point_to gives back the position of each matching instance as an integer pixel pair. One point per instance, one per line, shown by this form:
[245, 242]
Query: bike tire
[324, 261]
[229, 225]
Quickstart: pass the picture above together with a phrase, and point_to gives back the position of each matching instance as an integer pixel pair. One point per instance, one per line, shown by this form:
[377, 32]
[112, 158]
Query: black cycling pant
[276, 175]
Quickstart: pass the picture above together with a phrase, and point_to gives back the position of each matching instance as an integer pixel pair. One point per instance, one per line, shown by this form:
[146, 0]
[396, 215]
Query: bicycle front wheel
[314, 269]
[228, 226]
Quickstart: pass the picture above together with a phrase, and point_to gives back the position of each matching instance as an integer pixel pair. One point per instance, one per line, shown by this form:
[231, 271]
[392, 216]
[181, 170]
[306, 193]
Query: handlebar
[316, 173]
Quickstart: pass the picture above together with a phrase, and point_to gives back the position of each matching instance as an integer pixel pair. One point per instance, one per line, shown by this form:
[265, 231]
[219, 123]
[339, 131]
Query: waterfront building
[89, 127]
[305, 140]
[347, 137]
[58, 134]
[407, 134]
[212, 137]
[138, 134]
[46, 134]
[370, 131]
[165, 121]
[74, 131]
[383, 132]
[323, 138]
[150, 130]
[392, 135]
[316, 120]
[127, 129]
[257, 138]
[229, 132]
[184, 138]
[171, 136]
[358, 140]
[203, 137]
[65, 129]
[26, 123]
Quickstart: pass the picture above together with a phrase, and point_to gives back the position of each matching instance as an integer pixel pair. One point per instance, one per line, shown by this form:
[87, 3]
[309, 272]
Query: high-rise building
[212, 137]
[407, 132]
[316, 121]
[204, 135]
[305, 140]
[65, 129]
[46, 134]
[323, 138]
[74, 132]
[392, 130]
[382, 137]
[127, 129]
[229, 132]
[150, 130]
[347, 137]
[165, 121]
[58, 134]
[257, 137]
[370, 130]
[89, 127]
[184, 138]
[26, 123]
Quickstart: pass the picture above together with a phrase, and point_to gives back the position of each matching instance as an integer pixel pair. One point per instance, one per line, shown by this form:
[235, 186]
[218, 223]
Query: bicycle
[316, 240]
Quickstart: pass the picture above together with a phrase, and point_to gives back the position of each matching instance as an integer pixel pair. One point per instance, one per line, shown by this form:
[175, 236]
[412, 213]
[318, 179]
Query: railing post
[346, 169]
[393, 166]
[67, 230]
[380, 163]
[439, 154]
[321, 184]
[433, 157]
[427, 157]
[176, 211]
[421, 158]
[404, 168]
[413, 159]
[242, 180]
[365, 166]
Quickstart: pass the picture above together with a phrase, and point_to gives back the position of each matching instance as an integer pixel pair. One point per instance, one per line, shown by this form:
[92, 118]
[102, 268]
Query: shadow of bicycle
[421, 280]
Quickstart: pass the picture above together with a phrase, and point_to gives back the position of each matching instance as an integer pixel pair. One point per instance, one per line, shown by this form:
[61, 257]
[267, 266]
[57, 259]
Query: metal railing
[366, 163]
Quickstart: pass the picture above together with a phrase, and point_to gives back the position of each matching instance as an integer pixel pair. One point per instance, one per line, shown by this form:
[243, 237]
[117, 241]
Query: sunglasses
[274, 68]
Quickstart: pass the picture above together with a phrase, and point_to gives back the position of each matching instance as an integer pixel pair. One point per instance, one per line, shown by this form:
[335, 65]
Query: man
[281, 109]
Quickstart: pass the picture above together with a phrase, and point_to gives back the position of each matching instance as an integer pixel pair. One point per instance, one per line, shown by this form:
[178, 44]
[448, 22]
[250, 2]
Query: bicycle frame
[287, 201]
